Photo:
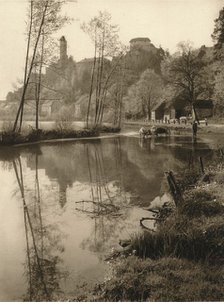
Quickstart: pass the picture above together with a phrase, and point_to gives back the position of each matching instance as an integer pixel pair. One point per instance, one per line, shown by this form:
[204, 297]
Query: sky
[165, 22]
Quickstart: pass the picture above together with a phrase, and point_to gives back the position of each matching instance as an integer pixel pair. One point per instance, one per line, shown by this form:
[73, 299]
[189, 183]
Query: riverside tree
[44, 19]
[218, 38]
[185, 72]
[147, 91]
[104, 36]
[218, 33]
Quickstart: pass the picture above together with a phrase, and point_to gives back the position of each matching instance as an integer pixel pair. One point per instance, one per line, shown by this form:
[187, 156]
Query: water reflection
[78, 200]
[41, 267]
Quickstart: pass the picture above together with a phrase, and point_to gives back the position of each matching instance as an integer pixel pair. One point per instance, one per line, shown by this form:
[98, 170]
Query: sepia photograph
[111, 150]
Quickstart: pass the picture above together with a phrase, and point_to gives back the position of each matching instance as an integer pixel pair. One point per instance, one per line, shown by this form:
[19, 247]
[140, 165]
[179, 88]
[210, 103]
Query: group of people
[144, 132]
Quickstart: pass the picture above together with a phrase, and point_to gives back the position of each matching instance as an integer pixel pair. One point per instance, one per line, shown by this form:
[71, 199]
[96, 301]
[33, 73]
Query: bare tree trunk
[120, 100]
[148, 109]
[39, 83]
[27, 55]
[100, 81]
[97, 88]
[116, 106]
[91, 88]
[20, 109]
[101, 109]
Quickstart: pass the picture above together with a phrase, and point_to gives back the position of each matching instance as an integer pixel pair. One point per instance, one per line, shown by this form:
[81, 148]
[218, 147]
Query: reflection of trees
[42, 264]
[106, 198]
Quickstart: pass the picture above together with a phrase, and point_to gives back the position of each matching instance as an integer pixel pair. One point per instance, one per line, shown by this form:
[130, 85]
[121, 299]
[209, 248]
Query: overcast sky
[165, 22]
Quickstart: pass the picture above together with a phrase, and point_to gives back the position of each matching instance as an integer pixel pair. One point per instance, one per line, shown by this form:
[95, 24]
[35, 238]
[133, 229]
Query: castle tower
[142, 44]
[63, 49]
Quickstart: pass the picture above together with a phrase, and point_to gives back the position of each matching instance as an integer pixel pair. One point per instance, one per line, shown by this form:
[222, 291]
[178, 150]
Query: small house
[204, 108]
[162, 111]
[49, 107]
[158, 111]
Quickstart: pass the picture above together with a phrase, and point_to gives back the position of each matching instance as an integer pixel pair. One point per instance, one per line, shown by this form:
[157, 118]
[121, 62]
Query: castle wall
[142, 44]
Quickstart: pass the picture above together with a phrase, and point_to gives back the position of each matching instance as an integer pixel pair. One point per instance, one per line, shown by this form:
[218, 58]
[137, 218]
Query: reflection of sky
[11, 238]
[131, 174]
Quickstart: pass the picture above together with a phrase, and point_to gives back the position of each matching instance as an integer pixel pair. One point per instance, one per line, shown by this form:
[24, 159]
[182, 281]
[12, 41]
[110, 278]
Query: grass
[196, 239]
[183, 260]
[167, 279]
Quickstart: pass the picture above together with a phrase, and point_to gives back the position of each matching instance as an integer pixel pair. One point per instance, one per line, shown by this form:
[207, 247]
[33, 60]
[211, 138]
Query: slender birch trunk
[91, 87]
[27, 53]
[20, 109]
[39, 83]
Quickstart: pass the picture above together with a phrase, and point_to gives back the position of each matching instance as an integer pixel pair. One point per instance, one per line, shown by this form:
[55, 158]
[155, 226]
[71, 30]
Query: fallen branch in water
[103, 205]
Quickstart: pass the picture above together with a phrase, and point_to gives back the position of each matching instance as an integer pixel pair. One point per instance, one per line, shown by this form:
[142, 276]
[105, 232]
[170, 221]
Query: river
[64, 207]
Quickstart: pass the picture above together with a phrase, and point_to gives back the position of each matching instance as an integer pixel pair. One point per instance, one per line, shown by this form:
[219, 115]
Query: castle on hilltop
[142, 44]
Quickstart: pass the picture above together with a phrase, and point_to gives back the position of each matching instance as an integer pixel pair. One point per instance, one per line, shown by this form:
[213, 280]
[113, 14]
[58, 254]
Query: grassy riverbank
[8, 138]
[183, 258]
[14, 138]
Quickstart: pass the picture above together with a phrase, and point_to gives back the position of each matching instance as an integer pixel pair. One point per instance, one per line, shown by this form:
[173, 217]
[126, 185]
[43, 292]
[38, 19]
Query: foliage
[218, 33]
[184, 71]
[104, 36]
[109, 129]
[43, 20]
[201, 203]
[64, 118]
[145, 94]
[167, 279]
[12, 138]
[219, 92]
[186, 245]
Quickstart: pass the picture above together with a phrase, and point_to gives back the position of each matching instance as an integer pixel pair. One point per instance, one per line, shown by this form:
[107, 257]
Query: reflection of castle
[104, 163]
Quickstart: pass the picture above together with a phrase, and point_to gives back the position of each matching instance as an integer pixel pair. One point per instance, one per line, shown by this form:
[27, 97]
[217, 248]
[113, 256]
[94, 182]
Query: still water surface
[65, 206]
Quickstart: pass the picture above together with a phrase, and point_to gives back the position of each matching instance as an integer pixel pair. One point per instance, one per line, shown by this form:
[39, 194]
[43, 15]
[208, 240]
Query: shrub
[109, 129]
[195, 239]
[7, 126]
[64, 119]
[34, 135]
[11, 138]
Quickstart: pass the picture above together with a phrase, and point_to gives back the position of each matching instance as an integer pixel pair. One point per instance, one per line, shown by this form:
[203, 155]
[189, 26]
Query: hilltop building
[142, 44]
[63, 50]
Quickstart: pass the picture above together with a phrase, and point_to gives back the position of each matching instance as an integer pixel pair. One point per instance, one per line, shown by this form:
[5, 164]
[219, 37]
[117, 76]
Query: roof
[159, 105]
[205, 104]
[140, 40]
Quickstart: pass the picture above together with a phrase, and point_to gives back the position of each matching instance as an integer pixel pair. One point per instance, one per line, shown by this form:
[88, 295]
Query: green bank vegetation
[14, 138]
[182, 259]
